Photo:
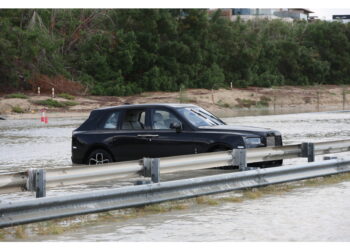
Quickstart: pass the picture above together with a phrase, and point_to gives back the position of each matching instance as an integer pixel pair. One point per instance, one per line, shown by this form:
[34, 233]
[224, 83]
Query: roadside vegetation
[66, 96]
[17, 95]
[55, 104]
[122, 52]
[17, 109]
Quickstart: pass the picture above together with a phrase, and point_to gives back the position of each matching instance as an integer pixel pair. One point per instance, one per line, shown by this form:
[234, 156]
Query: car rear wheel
[99, 156]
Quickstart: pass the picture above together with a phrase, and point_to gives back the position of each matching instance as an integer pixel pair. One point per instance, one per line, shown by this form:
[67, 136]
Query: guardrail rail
[155, 191]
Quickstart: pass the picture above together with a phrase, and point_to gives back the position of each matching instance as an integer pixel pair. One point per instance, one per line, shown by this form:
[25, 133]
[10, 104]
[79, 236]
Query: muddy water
[31, 143]
[319, 213]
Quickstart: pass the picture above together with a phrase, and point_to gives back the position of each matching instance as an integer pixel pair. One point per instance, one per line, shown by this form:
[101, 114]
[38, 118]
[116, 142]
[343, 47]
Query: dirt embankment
[222, 102]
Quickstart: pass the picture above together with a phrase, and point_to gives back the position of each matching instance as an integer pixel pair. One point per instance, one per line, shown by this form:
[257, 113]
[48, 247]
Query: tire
[98, 157]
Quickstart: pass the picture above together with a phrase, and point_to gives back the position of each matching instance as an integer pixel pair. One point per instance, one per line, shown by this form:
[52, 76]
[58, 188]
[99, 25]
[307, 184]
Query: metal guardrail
[98, 201]
[30, 180]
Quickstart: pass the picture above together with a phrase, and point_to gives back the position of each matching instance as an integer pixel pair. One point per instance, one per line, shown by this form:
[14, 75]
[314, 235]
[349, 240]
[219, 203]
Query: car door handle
[147, 135]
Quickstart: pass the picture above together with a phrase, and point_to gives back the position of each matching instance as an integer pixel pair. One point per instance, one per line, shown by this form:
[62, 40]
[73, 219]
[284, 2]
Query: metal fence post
[308, 150]
[239, 158]
[36, 182]
[40, 183]
[151, 169]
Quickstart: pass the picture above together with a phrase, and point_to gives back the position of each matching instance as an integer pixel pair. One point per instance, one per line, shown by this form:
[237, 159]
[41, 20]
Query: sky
[322, 9]
[327, 13]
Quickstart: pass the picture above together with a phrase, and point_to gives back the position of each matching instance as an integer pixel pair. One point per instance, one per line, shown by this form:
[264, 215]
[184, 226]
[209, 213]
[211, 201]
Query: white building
[341, 18]
[251, 14]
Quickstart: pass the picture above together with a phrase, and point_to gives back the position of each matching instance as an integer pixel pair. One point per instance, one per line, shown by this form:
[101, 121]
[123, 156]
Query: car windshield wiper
[217, 120]
[206, 118]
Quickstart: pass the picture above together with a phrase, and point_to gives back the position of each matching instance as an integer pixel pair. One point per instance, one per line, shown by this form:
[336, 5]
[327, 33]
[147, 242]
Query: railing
[39, 179]
[16, 213]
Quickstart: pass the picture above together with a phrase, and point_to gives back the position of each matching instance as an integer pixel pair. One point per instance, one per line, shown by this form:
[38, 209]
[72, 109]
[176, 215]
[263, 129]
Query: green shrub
[55, 104]
[263, 102]
[17, 95]
[70, 103]
[17, 109]
[66, 96]
[245, 103]
[223, 104]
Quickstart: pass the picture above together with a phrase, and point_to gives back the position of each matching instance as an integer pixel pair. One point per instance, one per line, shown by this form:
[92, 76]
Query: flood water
[304, 214]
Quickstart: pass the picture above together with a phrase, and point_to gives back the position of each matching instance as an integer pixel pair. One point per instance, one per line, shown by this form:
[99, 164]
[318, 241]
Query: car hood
[242, 129]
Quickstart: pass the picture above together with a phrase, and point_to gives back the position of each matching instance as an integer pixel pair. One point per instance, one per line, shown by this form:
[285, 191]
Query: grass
[247, 103]
[244, 103]
[17, 95]
[66, 96]
[263, 102]
[207, 201]
[183, 98]
[2, 235]
[20, 232]
[17, 109]
[223, 104]
[55, 104]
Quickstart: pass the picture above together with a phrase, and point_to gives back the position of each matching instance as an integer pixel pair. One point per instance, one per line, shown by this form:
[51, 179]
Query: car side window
[112, 121]
[161, 119]
[134, 120]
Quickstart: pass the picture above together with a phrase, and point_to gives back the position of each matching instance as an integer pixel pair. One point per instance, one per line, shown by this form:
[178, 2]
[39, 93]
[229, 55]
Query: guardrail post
[239, 158]
[40, 183]
[151, 169]
[36, 182]
[308, 150]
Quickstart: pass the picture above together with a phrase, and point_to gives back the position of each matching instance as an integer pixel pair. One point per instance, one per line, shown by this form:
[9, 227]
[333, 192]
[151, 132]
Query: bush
[66, 96]
[55, 104]
[17, 95]
[17, 109]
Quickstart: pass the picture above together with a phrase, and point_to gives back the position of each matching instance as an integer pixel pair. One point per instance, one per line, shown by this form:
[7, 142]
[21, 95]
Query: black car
[131, 132]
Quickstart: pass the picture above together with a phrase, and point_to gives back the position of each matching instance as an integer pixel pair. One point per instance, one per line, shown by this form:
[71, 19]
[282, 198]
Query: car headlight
[253, 141]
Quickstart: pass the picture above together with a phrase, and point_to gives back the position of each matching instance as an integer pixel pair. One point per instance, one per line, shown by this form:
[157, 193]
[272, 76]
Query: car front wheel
[98, 157]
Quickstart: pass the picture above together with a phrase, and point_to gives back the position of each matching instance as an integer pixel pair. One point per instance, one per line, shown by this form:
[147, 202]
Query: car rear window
[112, 121]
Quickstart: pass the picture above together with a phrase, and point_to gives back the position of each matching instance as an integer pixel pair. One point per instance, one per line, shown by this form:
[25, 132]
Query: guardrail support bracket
[37, 182]
[308, 151]
[40, 183]
[151, 169]
[239, 158]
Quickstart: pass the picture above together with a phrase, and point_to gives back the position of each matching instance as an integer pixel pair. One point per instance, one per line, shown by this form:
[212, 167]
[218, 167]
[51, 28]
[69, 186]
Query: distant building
[314, 19]
[251, 14]
[341, 18]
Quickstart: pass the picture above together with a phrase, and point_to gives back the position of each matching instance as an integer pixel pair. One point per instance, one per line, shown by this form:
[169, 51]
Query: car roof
[149, 105]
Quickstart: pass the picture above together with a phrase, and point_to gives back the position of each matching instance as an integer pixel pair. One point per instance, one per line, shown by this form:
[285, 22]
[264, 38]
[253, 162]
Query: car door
[166, 141]
[129, 142]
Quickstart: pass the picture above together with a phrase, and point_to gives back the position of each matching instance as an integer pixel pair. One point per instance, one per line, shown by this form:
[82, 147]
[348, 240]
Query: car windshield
[200, 117]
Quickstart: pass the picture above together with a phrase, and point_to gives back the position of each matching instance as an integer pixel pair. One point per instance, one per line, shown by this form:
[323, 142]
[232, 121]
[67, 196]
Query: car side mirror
[177, 126]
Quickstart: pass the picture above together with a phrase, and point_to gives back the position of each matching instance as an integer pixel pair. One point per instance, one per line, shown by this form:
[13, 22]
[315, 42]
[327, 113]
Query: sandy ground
[223, 102]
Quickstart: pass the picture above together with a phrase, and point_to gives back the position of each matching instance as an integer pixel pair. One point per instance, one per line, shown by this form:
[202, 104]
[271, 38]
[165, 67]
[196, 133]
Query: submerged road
[304, 214]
